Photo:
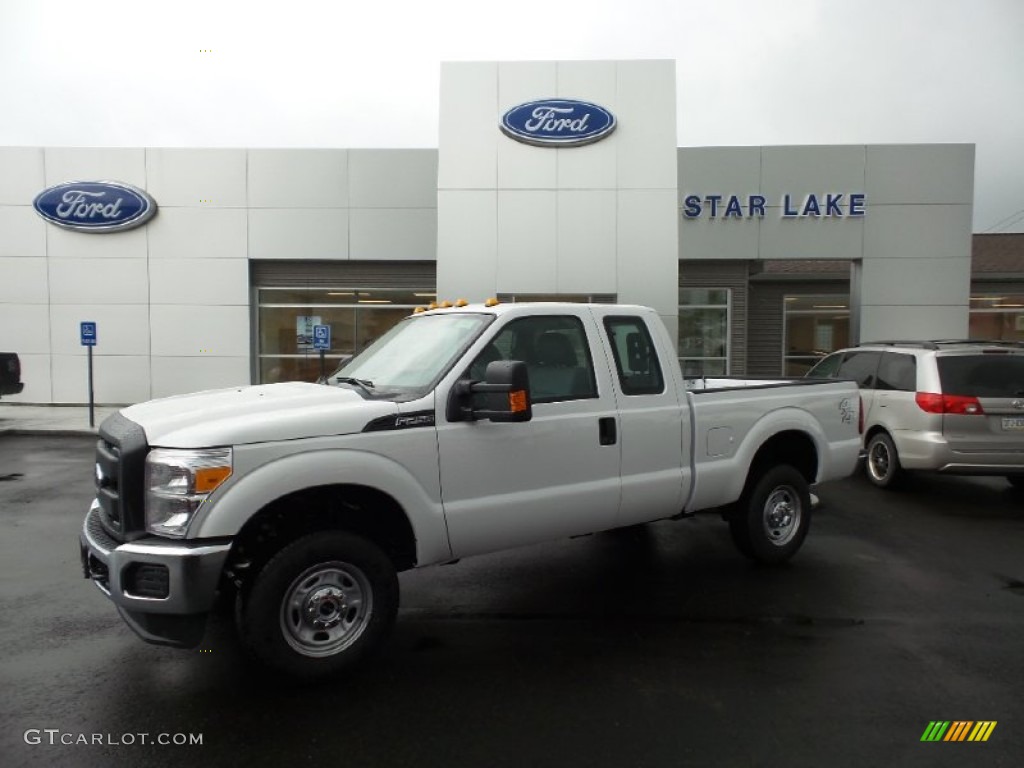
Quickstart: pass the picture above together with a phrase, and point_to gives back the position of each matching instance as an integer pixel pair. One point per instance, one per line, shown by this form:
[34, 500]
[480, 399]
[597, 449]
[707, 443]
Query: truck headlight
[178, 482]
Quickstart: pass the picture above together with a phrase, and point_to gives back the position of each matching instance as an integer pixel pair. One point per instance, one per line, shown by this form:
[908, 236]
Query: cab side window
[556, 354]
[636, 360]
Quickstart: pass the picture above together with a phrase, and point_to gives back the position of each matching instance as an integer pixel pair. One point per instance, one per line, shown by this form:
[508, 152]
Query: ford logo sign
[557, 123]
[95, 206]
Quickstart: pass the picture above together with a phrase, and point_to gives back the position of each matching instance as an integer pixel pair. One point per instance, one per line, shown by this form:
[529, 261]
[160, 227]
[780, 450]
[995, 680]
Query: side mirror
[505, 393]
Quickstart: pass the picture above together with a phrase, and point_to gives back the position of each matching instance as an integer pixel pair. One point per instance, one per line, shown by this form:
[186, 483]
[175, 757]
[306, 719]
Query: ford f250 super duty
[460, 431]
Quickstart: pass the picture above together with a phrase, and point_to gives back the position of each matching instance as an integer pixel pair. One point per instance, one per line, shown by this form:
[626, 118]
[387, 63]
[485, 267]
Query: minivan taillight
[963, 405]
[860, 416]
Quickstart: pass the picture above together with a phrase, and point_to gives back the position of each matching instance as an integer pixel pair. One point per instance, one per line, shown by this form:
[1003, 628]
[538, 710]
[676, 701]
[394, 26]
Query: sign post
[322, 342]
[88, 333]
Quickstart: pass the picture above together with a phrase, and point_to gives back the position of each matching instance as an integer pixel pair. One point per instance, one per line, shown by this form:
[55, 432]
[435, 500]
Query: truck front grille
[120, 468]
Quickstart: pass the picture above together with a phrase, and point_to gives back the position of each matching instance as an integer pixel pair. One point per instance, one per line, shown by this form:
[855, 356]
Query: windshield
[413, 355]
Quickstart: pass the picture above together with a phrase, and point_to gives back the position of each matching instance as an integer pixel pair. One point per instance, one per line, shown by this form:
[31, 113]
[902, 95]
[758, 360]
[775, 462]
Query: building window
[997, 317]
[814, 326]
[704, 315]
[357, 316]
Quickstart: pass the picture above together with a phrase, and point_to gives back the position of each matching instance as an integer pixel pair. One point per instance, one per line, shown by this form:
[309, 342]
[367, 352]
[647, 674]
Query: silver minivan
[947, 406]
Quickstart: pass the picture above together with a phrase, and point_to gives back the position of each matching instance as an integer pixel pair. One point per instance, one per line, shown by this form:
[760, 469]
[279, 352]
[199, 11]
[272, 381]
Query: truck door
[655, 470]
[557, 475]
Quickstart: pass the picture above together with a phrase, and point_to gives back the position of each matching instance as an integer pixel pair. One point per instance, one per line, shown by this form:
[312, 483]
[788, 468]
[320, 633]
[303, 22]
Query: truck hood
[257, 414]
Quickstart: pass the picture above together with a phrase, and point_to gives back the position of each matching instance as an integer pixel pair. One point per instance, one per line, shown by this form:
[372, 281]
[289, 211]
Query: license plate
[1014, 423]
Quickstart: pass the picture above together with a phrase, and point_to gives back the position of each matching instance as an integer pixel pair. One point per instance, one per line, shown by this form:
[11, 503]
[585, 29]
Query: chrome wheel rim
[781, 515]
[879, 460]
[326, 609]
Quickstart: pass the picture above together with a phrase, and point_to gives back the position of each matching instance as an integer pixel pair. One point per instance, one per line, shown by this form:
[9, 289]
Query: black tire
[773, 516]
[882, 464]
[1017, 481]
[320, 605]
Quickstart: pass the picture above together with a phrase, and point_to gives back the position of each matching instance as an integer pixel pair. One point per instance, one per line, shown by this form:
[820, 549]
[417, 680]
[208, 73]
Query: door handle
[606, 430]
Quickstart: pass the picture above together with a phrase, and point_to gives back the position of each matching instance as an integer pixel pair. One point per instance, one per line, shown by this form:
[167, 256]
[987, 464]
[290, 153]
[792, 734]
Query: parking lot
[655, 646]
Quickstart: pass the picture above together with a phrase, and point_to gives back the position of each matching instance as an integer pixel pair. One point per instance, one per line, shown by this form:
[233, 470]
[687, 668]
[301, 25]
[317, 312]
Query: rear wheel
[319, 605]
[773, 517]
[882, 466]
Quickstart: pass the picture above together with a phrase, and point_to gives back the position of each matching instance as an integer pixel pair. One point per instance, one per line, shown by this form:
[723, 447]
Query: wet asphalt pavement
[658, 646]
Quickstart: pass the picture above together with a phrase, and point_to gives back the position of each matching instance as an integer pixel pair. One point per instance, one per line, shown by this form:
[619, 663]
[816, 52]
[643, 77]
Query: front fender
[227, 511]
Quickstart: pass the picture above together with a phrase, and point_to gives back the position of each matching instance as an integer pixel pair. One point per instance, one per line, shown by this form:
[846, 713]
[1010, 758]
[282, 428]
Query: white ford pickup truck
[460, 431]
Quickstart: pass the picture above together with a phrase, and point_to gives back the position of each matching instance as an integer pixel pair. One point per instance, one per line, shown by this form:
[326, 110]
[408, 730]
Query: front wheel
[319, 605]
[773, 517]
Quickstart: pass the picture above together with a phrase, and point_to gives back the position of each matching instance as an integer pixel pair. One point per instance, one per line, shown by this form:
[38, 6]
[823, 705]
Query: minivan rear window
[994, 375]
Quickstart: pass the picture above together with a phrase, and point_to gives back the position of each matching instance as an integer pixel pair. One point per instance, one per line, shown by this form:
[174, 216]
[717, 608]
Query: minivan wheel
[883, 462]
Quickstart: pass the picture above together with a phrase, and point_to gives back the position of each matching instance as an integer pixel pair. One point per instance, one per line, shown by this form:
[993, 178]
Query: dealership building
[551, 181]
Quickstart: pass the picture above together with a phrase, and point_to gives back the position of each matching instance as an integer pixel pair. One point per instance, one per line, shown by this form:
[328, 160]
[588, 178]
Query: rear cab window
[636, 360]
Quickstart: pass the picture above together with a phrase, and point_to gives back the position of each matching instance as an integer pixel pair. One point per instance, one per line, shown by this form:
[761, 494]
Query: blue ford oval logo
[558, 123]
[95, 206]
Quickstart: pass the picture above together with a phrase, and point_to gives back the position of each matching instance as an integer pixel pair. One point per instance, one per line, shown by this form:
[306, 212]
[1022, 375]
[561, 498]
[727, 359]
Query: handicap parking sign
[88, 334]
[321, 337]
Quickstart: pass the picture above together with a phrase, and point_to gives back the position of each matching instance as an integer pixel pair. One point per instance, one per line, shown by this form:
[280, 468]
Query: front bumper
[167, 607]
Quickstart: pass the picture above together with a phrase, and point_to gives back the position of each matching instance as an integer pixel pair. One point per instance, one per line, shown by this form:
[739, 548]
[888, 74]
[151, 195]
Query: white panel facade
[470, 264]
[527, 242]
[94, 164]
[924, 174]
[68, 244]
[880, 323]
[392, 178]
[198, 233]
[213, 178]
[117, 379]
[23, 175]
[99, 281]
[282, 233]
[298, 178]
[200, 331]
[817, 170]
[396, 234]
[587, 242]
[24, 233]
[468, 121]
[203, 282]
[25, 328]
[938, 282]
[918, 232]
[120, 329]
[24, 281]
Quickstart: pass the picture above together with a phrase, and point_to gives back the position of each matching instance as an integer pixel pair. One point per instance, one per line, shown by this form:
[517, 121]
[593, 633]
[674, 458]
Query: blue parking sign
[88, 334]
[321, 337]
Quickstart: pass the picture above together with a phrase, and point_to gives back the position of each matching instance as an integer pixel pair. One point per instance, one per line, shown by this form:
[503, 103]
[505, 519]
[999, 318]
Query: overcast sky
[335, 73]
